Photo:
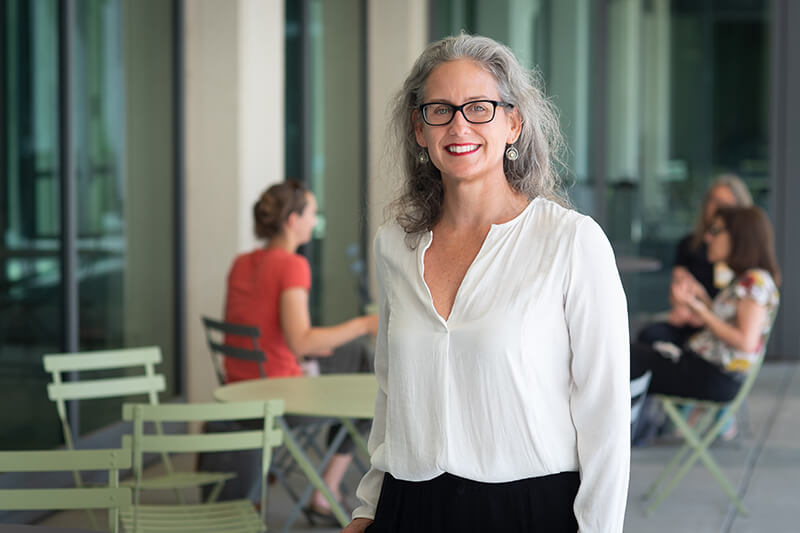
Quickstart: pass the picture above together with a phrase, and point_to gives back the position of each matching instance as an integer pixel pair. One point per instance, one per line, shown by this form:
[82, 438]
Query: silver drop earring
[512, 154]
[422, 157]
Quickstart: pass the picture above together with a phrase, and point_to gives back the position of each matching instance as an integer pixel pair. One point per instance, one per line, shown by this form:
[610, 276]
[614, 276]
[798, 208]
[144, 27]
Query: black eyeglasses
[715, 230]
[475, 112]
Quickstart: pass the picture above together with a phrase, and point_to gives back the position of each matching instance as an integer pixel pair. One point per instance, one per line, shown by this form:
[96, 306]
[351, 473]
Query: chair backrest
[638, 396]
[239, 438]
[120, 362]
[218, 336]
[112, 497]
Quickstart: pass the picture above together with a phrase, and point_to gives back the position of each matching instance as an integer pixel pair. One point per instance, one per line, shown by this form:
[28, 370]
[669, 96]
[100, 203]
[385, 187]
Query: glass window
[30, 265]
[325, 146]
[687, 101]
[122, 144]
[552, 38]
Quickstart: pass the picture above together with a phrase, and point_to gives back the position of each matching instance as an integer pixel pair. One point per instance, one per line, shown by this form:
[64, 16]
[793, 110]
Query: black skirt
[448, 503]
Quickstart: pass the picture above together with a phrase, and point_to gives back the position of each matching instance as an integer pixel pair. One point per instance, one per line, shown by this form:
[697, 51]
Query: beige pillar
[233, 78]
[397, 33]
[624, 77]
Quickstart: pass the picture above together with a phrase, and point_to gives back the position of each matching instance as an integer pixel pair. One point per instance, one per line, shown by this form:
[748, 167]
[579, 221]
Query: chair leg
[312, 475]
[700, 452]
[701, 426]
[722, 480]
[214, 494]
[674, 462]
[691, 442]
[292, 493]
[358, 439]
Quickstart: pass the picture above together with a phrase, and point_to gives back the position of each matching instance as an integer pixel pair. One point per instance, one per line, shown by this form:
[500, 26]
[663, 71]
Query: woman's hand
[680, 274]
[686, 295]
[358, 525]
[681, 288]
[681, 315]
[682, 293]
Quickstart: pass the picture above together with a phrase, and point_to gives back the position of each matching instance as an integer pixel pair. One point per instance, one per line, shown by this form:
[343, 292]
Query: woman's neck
[480, 203]
[283, 241]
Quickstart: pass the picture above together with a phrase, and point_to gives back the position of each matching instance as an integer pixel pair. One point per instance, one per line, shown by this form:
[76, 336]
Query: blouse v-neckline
[428, 240]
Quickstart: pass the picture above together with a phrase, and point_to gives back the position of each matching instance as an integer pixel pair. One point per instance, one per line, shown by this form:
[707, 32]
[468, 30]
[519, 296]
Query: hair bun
[274, 206]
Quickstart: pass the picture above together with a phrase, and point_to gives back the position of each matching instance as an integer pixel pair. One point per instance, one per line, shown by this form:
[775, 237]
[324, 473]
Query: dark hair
[274, 206]
[540, 143]
[752, 244]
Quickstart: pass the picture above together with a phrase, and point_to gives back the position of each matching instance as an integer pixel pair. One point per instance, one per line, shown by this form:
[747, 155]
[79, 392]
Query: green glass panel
[30, 266]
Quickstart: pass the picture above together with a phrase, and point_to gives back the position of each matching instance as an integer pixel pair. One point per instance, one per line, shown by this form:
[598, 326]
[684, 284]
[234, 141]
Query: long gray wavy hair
[540, 144]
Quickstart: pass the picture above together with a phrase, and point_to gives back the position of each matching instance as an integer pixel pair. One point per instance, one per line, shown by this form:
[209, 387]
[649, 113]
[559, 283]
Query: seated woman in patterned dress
[712, 364]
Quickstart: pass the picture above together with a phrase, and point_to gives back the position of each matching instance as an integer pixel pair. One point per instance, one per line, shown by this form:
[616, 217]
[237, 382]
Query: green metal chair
[225, 516]
[124, 373]
[699, 437]
[111, 497]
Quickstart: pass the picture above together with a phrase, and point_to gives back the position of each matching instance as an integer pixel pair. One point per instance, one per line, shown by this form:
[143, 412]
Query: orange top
[255, 283]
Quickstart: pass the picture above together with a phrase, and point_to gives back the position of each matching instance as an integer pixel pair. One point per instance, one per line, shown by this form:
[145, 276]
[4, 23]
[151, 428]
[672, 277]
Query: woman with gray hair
[692, 267]
[502, 348]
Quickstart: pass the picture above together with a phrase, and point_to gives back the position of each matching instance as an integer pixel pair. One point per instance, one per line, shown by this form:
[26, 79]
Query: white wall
[397, 32]
[234, 54]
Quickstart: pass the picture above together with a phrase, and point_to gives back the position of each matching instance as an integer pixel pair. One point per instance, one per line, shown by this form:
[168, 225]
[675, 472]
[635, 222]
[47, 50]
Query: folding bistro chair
[120, 373]
[218, 334]
[225, 516]
[111, 497]
[698, 439]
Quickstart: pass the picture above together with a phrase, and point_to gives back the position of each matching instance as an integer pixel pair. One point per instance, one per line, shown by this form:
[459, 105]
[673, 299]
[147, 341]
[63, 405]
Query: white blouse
[528, 376]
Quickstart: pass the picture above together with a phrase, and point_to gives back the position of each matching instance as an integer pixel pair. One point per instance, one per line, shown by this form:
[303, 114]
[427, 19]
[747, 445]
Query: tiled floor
[764, 464]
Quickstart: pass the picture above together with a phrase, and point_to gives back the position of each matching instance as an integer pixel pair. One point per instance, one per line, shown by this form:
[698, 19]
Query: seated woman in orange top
[269, 287]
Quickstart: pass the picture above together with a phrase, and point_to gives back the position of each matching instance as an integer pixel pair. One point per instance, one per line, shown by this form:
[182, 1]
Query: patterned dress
[757, 285]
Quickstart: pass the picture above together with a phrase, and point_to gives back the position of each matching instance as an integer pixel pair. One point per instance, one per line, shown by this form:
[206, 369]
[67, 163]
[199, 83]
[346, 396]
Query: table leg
[312, 474]
[358, 439]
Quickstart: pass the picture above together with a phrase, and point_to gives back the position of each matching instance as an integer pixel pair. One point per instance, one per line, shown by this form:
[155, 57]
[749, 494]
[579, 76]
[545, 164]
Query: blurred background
[136, 134]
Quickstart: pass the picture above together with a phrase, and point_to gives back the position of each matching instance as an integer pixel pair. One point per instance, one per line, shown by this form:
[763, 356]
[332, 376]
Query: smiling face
[461, 150]
[718, 239]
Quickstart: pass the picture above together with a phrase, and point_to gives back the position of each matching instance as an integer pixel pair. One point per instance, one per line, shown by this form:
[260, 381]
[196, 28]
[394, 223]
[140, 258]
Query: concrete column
[656, 108]
[568, 78]
[785, 169]
[233, 78]
[624, 82]
[396, 35]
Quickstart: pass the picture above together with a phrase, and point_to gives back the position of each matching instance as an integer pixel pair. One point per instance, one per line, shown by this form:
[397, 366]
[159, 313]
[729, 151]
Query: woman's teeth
[462, 148]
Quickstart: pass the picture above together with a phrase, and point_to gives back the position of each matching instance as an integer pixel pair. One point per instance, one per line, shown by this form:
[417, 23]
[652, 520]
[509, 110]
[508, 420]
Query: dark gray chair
[217, 333]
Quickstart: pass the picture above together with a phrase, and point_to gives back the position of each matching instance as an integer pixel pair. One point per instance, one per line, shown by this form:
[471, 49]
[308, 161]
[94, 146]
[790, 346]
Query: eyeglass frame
[716, 230]
[455, 108]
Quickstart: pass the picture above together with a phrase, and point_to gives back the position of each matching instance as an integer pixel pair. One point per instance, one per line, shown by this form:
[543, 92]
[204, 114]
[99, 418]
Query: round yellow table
[330, 395]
